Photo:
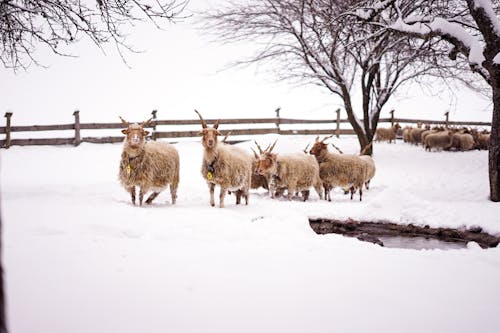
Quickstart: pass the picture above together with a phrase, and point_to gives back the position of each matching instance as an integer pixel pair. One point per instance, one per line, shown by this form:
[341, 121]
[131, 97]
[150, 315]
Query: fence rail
[275, 128]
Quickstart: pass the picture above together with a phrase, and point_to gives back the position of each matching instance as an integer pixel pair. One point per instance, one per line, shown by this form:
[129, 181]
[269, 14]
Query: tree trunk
[494, 148]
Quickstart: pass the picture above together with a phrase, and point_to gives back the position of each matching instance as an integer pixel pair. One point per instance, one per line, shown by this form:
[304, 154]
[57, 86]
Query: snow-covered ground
[79, 257]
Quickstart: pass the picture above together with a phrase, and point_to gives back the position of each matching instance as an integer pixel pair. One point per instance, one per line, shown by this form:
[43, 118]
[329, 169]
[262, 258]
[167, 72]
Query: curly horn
[305, 149]
[203, 123]
[270, 149]
[255, 153]
[124, 121]
[259, 148]
[147, 122]
[326, 138]
[225, 138]
[338, 149]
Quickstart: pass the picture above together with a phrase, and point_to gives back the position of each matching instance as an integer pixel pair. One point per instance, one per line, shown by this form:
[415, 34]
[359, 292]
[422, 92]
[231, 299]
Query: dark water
[420, 243]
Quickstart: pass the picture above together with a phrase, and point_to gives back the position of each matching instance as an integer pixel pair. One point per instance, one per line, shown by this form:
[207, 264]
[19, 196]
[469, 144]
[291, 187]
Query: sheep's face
[135, 135]
[209, 137]
[265, 164]
[318, 148]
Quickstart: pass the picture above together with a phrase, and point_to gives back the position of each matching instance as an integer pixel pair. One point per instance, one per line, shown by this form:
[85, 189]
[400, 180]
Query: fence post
[447, 114]
[337, 131]
[153, 134]
[77, 128]
[278, 118]
[392, 118]
[7, 129]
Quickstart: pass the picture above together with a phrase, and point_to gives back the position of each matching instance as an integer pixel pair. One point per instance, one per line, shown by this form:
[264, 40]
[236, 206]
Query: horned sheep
[150, 166]
[228, 166]
[293, 172]
[341, 170]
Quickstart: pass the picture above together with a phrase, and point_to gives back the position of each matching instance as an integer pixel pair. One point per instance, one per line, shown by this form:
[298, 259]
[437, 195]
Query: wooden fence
[274, 127]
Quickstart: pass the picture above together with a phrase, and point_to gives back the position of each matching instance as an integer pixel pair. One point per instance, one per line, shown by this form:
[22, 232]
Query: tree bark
[494, 148]
[3, 318]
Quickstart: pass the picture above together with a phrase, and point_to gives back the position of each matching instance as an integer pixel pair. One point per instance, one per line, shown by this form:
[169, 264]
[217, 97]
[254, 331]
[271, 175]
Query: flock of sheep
[437, 137]
[153, 166]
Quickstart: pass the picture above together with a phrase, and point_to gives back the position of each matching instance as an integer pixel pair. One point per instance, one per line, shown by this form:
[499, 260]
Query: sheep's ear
[201, 132]
[125, 131]
[218, 133]
[216, 125]
[146, 133]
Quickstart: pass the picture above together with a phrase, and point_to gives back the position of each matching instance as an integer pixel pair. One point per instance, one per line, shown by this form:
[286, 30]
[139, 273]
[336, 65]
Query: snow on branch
[486, 5]
[444, 28]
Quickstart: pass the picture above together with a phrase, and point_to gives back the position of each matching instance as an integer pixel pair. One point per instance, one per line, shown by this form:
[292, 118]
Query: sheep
[293, 172]
[483, 140]
[387, 134]
[370, 166]
[406, 133]
[440, 140]
[339, 170]
[228, 166]
[148, 165]
[462, 141]
[416, 133]
[258, 180]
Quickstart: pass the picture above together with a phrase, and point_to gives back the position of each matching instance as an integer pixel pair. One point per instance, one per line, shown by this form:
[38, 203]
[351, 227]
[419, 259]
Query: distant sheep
[293, 172]
[148, 165]
[406, 133]
[483, 141]
[439, 141]
[416, 133]
[462, 141]
[387, 134]
[340, 170]
[227, 166]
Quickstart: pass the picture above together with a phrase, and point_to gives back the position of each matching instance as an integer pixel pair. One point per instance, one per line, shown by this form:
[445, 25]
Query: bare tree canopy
[311, 41]
[471, 29]
[28, 24]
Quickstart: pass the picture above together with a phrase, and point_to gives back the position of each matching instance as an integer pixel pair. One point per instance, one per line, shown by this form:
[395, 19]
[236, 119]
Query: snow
[78, 257]
[443, 26]
[496, 59]
[487, 6]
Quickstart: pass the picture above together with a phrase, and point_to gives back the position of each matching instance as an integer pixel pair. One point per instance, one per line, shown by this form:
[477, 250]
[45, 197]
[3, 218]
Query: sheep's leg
[152, 197]
[291, 191]
[352, 191]
[317, 187]
[212, 190]
[141, 195]
[222, 194]
[131, 190]
[245, 195]
[360, 192]
[238, 197]
[367, 185]
[305, 195]
[173, 193]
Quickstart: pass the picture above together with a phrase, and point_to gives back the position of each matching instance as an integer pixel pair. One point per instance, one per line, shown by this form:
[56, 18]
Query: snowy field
[80, 258]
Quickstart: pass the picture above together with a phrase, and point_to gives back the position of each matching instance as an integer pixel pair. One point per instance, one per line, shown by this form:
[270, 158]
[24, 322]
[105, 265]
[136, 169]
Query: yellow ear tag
[128, 169]
[209, 175]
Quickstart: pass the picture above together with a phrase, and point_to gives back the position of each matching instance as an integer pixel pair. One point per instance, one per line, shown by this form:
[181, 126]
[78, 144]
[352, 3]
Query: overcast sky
[181, 70]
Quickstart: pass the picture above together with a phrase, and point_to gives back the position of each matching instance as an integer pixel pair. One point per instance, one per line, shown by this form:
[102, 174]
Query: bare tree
[471, 30]
[28, 24]
[309, 42]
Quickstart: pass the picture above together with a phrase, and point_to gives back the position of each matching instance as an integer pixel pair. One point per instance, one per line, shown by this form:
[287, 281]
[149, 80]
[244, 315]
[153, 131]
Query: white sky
[181, 70]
